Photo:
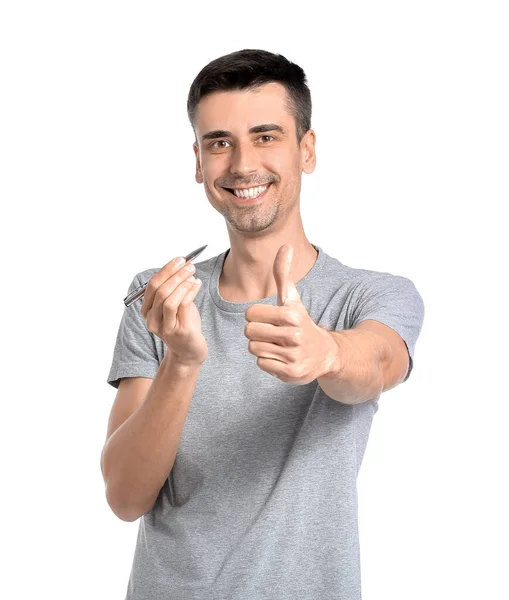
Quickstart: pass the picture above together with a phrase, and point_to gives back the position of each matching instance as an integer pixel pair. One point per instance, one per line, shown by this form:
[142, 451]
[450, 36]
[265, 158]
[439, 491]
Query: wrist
[333, 363]
[179, 368]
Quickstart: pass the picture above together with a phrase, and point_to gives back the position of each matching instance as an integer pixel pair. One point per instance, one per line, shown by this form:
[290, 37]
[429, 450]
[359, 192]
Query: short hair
[248, 70]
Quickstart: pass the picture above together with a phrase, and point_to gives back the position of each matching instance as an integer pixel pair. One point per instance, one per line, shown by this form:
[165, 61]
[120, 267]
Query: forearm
[358, 367]
[139, 456]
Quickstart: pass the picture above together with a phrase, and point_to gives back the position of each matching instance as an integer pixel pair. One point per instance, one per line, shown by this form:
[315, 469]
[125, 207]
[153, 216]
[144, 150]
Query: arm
[138, 457]
[367, 360]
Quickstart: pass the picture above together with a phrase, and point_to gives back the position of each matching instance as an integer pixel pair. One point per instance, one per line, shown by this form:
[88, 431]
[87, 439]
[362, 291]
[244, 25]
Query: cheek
[212, 167]
[209, 174]
[285, 165]
[280, 161]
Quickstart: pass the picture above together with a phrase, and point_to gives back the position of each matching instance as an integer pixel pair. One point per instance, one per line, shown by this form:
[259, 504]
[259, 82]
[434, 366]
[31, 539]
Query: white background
[410, 109]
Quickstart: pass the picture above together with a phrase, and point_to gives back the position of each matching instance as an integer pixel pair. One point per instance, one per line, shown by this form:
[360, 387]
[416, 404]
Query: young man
[241, 419]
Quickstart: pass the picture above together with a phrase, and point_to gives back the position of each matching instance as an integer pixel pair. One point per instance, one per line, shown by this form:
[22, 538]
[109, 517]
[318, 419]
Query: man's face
[229, 155]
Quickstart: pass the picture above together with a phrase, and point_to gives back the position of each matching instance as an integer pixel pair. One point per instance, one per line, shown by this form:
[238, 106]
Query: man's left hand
[287, 342]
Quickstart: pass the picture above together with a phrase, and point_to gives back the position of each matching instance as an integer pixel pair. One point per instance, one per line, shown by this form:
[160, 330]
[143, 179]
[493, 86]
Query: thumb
[286, 290]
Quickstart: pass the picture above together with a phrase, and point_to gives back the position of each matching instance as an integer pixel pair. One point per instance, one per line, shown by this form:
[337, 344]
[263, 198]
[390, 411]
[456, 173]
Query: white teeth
[251, 192]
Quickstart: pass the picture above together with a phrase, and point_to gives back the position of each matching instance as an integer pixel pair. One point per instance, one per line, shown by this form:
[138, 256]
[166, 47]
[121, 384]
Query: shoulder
[355, 278]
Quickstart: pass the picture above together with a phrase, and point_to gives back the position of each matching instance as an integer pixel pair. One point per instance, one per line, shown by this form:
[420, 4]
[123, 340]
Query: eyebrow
[219, 133]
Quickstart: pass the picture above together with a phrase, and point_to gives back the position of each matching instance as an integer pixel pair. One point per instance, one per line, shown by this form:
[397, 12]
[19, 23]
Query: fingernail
[180, 261]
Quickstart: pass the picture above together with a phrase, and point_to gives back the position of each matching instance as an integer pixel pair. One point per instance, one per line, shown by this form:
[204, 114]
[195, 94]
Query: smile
[248, 194]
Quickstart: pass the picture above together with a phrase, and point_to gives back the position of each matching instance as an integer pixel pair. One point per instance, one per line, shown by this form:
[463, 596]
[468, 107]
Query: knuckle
[292, 316]
[151, 285]
[150, 326]
[149, 293]
[170, 304]
[297, 335]
[158, 296]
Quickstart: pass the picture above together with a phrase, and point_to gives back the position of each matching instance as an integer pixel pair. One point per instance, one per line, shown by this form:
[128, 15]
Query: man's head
[251, 114]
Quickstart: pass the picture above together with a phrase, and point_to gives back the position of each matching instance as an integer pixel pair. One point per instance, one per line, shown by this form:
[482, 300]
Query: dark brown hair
[249, 69]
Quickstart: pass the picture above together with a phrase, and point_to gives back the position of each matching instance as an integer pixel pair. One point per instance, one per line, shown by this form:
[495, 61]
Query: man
[249, 491]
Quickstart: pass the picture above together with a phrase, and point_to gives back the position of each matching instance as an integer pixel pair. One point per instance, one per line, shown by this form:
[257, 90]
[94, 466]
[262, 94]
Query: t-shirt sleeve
[135, 352]
[394, 301]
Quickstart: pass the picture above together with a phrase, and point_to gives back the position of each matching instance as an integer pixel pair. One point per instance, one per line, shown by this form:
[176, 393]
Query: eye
[219, 142]
[267, 136]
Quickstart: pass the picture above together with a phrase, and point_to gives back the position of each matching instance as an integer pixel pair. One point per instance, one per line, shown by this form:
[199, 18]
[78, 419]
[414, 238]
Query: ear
[198, 176]
[307, 149]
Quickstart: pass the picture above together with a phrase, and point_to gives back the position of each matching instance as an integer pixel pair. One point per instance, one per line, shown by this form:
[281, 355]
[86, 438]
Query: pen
[140, 291]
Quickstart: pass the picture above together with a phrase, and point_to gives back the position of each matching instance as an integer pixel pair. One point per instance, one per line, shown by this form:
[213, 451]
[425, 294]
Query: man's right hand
[171, 314]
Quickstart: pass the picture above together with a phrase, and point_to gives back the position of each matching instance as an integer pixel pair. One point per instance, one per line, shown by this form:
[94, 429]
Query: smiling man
[244, 469]
[250, 156]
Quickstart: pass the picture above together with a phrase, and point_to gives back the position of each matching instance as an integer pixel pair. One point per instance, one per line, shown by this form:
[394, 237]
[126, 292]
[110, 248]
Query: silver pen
[140, 291]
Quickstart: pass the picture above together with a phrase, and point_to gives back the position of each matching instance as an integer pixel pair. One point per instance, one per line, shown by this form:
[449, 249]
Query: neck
[247, 273]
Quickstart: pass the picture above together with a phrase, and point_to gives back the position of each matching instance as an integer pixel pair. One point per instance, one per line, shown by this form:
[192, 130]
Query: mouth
[248, 195]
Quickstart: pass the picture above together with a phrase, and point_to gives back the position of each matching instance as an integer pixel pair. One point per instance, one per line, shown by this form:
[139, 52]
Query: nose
[244, 159]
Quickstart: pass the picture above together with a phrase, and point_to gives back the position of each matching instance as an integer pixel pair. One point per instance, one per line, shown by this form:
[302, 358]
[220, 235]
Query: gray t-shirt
[261, 502]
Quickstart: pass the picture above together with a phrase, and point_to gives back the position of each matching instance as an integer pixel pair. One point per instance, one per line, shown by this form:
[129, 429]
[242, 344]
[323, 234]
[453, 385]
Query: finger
[264, 332]
[273, 367]
[267, 350]
[184, 310]
[155, 313]
[158, 279]
[274, 315]
[170, 306]
[154, 295]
